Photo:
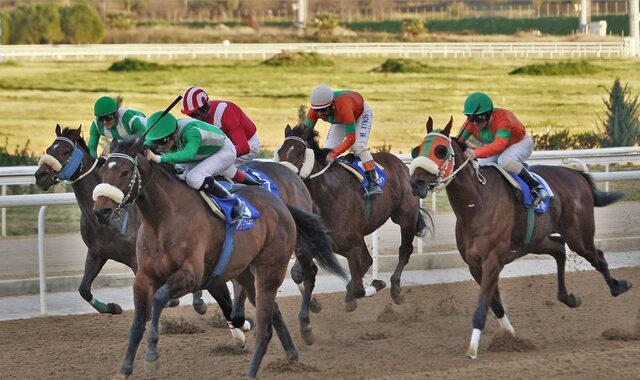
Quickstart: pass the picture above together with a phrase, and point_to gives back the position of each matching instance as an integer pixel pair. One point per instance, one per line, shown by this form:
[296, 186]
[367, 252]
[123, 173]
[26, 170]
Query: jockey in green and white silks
[114, 123]
[200, 148]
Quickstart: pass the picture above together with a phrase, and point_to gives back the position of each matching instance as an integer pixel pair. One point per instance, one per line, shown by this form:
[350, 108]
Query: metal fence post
[42, 276]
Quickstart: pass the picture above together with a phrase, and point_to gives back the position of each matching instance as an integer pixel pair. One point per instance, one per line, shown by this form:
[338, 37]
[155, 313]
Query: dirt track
[426, 337]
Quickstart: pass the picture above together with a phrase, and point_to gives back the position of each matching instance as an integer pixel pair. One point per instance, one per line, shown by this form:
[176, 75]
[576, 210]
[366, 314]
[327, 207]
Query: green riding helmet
[104, 106]
[477, 103]
[163, 127]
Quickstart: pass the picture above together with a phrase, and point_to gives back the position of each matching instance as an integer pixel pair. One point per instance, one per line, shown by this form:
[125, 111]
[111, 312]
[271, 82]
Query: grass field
[36, 96]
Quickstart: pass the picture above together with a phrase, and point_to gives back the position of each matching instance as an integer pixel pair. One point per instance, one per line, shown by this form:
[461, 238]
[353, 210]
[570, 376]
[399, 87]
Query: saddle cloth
[353, 164]
[221, 207]
[518, 184]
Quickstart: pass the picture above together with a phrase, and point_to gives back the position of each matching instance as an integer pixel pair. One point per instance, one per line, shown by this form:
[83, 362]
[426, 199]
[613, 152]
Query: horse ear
[447, 129]
[58, 130]
[430, 125]
[287, 130]
[415, 151]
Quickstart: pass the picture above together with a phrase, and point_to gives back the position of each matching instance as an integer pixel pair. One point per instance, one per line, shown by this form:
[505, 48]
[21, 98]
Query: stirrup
[373, 190]
[539, 195]
[237, 209]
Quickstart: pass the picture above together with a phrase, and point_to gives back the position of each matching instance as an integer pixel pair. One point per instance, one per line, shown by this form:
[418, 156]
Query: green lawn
[35, 95]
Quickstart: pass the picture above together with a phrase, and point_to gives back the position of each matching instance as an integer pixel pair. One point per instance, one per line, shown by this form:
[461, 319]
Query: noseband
[64, 173]
[115, 194]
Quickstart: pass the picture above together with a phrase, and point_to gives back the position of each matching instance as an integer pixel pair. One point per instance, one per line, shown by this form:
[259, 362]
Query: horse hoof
[315, 306]
[307, 336]
[471, 356]
[621, 287]
[350, 306]
[238, 337]
[200, 308]
[151, 367]
[573, 301]
[173, 302]
[120, 376]
[247, 325]
[378, 284]
[114, 308]
[398, 299]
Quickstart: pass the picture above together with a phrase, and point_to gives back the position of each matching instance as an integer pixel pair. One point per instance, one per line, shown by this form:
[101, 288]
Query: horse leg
[358, 268]
[223, 298]
[308, 271]
[177, 285]
[554, 246]
[198, 303]
[296, 275]
[92, 266]
[238, 315]
[586, 248]
[490, 273]
[496, 303]
[404, 252]
[142, 293]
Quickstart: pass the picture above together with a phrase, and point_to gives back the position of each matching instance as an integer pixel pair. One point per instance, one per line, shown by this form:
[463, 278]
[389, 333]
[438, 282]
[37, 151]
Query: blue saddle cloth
[527, 200]
[267, 182]
[356, 163]
[226, 204]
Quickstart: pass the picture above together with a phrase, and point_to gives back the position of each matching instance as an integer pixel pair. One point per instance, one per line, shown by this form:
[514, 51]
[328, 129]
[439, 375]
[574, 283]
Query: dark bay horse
[180, 240]
[338, 195]
[104, 242]
[491, 224]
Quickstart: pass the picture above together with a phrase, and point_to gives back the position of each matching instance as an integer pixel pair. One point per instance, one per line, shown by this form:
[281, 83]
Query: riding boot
[245, 179]
[538, 192]
[373, 188]
[211, 186]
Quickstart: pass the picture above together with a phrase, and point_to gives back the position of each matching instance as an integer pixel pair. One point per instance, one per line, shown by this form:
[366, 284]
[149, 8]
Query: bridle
[307, 165]
[71, 168]
[135, 186]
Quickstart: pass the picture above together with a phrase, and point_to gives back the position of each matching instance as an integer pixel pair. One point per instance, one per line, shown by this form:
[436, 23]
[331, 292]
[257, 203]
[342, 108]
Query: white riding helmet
[321, 97]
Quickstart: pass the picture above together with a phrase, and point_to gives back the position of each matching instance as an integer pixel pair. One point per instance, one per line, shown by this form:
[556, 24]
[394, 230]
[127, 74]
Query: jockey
[504, 137]
[228, 117]
[114, 122]
[351, 119]
[203, 150]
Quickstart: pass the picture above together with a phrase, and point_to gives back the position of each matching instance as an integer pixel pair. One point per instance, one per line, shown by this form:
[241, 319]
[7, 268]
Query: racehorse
[491, 226]
[180, 241]
[338, 195]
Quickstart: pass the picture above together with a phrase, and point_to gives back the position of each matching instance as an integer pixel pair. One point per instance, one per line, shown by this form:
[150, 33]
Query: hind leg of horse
[554, 246]
[359, 263]
[223, 298]
[581, 242]
[297, 276]
[308, 271]
[92, 266]
[404, 252]
[142, 294]
[490, 273]
[176, 286]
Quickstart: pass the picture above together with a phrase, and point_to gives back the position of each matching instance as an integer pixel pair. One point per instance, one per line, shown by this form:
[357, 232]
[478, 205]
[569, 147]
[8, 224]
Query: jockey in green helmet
[114, 123]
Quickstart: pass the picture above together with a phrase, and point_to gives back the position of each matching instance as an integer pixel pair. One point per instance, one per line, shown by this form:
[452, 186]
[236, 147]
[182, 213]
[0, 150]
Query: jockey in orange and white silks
[227, 116]
[504, 139]
[351, 120]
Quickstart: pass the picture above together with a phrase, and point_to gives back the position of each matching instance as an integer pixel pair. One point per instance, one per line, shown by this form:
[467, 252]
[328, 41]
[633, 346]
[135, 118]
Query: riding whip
[166, 111]
[464, 126]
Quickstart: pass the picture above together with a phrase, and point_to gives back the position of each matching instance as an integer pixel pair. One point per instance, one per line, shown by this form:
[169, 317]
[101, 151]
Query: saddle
[522, 191]
[353, 164]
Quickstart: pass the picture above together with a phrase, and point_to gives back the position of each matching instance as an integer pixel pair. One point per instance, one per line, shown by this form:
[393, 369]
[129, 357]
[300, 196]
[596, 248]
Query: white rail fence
[619, 48]
[21, 175]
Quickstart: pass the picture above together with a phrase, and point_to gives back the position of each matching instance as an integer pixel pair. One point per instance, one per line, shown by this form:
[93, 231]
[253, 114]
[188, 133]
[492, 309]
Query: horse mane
[67, 132]
[312, 142]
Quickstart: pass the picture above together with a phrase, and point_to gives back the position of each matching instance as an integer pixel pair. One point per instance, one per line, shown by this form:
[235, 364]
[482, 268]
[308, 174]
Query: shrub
[35, 24]
[121, 20]
[133, 64]
[621, 127]
[5, 27]
[412, 28]
[561, 139]
[21, 156]
[559, 68]
[324, 24]
[403, 65]
[301, 59]
[82, 24]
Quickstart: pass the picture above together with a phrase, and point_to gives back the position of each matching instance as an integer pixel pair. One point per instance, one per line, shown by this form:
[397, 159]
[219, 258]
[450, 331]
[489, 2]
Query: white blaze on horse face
[289, 152]
[111, 164]
[55, 146]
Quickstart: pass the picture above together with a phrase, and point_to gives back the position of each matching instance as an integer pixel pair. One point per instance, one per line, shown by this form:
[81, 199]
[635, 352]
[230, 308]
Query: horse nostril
[103, 215]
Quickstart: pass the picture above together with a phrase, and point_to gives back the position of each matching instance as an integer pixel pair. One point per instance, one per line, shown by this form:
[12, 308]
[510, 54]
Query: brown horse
[180, 240]
[338, 195]
[491, 225]
[114, 241]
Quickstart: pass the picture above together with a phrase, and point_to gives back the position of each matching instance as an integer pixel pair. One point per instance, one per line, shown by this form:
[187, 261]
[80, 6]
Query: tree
[412, 28]
[324, 24]
[82, 24]
[621, 126]
[35, 24]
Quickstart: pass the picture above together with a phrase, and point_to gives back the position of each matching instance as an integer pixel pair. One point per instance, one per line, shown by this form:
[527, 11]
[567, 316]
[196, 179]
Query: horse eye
[441, 152]
[124, 173]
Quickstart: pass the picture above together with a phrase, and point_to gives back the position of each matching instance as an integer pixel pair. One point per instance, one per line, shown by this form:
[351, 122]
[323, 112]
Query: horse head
[298, 150]
[433, 160]
[121, 179]
[63, 158]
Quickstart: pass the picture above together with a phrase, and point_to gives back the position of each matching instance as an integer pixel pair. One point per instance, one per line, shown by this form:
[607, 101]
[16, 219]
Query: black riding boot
[211, 186]
[373, 187]
[538, 192]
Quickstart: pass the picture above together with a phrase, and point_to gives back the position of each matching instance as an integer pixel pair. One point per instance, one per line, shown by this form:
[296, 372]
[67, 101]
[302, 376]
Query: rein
[307, 165]
[112, 192]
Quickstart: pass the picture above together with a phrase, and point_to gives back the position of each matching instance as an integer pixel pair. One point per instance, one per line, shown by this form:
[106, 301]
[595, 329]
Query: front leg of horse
[404, 252]
[355, 287]
[92, 266]
[159, 301]
[490, 273]
[198, 303]
[137, 331]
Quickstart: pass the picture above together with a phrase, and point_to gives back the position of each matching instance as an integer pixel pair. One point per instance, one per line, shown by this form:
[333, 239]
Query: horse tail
[422, 227]
[313, 233]
[601, 198]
